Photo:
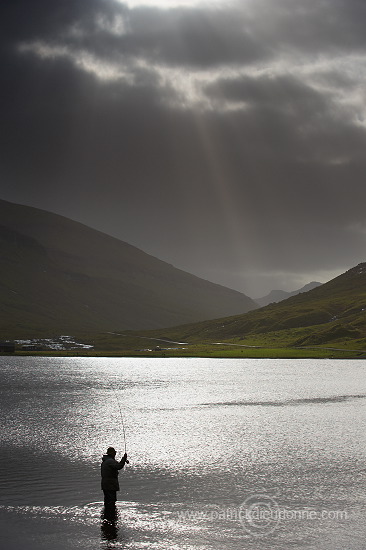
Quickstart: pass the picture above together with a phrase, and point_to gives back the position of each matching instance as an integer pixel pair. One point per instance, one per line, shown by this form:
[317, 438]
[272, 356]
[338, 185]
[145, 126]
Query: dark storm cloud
[330, 25]
[180, 36]
[306, 124]
[284, 94]
[229, 141]
[205, 37]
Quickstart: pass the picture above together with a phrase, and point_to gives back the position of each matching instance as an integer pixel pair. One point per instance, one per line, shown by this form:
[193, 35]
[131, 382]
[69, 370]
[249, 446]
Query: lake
[224, 454]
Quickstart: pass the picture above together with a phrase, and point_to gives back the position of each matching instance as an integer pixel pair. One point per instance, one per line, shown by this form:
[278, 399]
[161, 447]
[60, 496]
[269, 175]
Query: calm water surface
[224, 454]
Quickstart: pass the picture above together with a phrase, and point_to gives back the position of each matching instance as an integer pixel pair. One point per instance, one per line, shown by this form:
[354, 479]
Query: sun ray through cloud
[259, 105]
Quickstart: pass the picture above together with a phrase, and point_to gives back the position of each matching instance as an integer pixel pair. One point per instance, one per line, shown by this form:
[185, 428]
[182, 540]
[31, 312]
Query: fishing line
[121, 415]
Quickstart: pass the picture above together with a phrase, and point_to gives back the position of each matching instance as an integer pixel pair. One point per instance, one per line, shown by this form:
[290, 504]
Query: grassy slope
[333, 315]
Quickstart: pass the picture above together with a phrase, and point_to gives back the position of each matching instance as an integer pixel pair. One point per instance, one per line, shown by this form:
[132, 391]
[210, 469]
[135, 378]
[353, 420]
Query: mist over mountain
[59, 276]
[276, 296]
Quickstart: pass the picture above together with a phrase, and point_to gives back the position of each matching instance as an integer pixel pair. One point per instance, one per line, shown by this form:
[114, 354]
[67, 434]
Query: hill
[59, 277]
[333, 314]
[276, 296]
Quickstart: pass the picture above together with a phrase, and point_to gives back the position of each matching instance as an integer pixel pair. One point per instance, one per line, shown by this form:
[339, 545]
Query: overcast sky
[227, 138]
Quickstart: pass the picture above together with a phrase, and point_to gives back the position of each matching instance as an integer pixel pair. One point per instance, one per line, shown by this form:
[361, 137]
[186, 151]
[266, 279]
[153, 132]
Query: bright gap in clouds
[167, 4]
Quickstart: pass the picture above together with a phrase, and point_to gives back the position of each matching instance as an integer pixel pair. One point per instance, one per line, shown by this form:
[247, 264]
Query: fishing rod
[123, 424]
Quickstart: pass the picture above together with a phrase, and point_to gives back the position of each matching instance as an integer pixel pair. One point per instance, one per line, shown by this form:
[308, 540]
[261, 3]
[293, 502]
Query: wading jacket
[109, 471]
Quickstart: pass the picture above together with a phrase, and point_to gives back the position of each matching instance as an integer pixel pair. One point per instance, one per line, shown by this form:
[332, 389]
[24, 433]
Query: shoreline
[203, 352]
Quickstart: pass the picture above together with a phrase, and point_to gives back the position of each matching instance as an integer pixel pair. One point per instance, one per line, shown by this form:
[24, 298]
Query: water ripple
[286, 402]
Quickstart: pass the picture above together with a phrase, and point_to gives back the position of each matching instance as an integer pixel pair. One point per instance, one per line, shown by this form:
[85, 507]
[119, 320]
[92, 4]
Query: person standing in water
[109, 470]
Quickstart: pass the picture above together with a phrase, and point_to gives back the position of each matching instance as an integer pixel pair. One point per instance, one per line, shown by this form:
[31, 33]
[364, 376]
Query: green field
[130, 345]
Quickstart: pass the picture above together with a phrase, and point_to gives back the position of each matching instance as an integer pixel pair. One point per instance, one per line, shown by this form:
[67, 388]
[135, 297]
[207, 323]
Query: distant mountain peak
[276, 296]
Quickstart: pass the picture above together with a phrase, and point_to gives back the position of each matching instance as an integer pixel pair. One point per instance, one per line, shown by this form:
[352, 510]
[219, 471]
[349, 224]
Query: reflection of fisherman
[109, 471]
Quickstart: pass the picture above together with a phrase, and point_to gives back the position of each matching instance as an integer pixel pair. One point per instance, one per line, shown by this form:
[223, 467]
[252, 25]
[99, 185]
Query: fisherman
[109, 472]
